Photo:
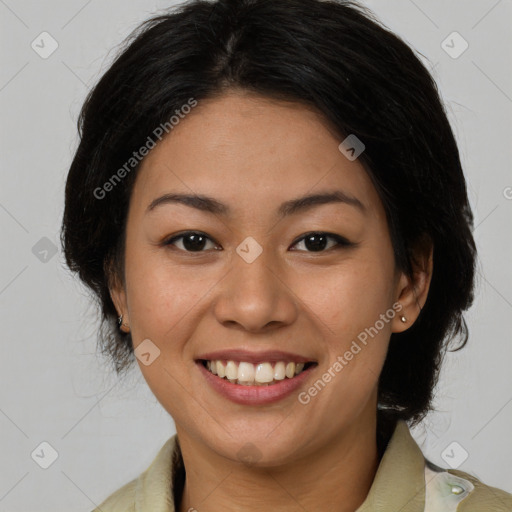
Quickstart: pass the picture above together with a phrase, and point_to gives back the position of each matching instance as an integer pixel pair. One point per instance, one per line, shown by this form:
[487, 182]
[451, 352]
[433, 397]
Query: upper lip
[254, 357]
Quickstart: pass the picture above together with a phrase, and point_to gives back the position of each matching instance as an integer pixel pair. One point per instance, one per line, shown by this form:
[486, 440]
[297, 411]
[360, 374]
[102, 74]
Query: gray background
[54, 387]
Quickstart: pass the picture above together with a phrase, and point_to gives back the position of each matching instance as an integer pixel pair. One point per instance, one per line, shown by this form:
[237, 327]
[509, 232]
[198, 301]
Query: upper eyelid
[185, 233]
[170, 240]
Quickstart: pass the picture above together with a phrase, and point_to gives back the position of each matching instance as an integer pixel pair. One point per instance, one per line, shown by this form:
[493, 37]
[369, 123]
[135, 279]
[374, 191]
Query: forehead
[249, 150]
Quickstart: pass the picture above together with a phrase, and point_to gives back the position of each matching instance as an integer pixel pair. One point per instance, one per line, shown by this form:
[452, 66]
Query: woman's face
[256, 282]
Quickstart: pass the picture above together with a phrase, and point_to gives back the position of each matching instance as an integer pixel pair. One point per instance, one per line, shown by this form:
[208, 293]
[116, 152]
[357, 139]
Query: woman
[268, 202]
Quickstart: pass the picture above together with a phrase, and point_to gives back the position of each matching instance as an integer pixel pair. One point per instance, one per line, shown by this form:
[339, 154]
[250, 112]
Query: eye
[191, 241]
[195, 241]
[318, 240]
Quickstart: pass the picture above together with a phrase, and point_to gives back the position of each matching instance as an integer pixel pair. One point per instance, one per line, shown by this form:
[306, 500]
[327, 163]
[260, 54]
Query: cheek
[351, 297]
[159, 293]
[349, 302]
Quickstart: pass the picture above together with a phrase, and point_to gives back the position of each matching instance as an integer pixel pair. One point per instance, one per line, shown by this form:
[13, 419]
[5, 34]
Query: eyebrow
[291, 207]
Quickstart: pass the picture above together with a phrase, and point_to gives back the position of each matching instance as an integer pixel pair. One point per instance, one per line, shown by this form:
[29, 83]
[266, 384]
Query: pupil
[194, 242]
[319, 245]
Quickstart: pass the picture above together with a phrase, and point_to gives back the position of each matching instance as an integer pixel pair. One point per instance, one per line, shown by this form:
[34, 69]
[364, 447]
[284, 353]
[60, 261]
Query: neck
[338, 476]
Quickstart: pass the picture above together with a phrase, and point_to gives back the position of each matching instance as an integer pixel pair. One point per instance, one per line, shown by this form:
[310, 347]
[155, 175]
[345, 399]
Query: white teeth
[264, 373]
[245, 373]
[221, 369]
[261, 374]
[231, 371]
[279, 371]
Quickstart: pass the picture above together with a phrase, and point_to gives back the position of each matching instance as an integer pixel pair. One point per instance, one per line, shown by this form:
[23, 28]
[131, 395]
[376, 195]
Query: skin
[253, 153]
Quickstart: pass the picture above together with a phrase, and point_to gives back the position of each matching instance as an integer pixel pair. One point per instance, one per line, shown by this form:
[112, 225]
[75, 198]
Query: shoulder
[450, 490]
[152, 489]
[122, 500]
[483, 498]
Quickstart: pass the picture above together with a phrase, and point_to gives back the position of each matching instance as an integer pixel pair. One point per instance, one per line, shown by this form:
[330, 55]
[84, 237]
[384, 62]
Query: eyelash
[340, 241]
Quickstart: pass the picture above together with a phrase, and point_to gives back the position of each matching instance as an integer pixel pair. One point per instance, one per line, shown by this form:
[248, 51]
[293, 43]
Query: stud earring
[120, 322]
[403, 319]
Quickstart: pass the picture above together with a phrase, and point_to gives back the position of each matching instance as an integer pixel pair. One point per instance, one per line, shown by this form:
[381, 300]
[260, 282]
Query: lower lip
[254, 395]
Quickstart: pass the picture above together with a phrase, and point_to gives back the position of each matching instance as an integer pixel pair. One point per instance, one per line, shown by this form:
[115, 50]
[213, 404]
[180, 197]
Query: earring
[120, 322]
[403, 319]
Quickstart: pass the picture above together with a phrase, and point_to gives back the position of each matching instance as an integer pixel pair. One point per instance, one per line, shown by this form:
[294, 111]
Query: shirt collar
[154, 487]
[399, 483]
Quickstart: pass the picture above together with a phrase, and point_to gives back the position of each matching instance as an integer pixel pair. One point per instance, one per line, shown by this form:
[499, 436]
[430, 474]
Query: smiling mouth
[261, 374]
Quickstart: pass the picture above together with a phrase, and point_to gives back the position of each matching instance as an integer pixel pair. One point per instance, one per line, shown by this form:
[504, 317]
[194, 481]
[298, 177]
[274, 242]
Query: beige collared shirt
[404, 482]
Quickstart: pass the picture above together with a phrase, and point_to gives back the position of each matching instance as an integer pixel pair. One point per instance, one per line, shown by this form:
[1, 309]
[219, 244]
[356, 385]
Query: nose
[255, 296]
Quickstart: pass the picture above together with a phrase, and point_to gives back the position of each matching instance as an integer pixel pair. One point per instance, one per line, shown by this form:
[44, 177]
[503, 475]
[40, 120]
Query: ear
[412, 291]
[118, 295]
